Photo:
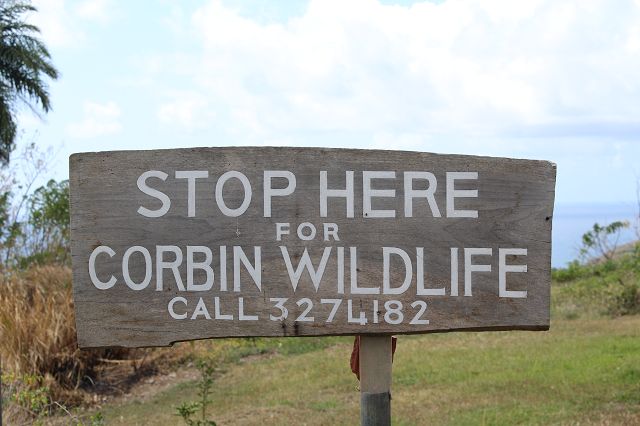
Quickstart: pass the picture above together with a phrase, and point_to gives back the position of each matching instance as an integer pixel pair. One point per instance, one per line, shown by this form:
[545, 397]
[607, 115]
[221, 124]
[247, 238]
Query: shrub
[602, 241]
[609, 287]
[627, 300]
[24, 397]
[34, 224]
[48, 224]
[40, 234]
[574, 270]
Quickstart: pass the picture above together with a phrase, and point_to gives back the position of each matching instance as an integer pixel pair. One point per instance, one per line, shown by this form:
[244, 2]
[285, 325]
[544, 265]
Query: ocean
[571, 221]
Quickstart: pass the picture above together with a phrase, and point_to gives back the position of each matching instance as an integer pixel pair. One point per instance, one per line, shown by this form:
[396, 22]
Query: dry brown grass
[36, 321]
[37, 330]
[44, 371]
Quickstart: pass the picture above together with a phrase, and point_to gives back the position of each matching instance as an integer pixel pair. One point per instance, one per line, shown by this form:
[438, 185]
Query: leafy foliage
[28, 391]
[574, 270]
[48, 209]
[187, 410]
[9, 230]
[29, 400]
[602, 240]
[41, 235]
[609, 287]
[24, 62]
[34, 224]
[97, 419]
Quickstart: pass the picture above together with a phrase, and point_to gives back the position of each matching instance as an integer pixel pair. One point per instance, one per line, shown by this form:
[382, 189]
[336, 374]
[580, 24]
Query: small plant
[27, 400]
[28, 393]
[96, 420]
[187, 410]
[602, 241]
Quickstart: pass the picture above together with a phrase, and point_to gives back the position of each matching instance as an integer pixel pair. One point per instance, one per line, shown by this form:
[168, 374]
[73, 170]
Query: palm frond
[8, 129]
[24, 63]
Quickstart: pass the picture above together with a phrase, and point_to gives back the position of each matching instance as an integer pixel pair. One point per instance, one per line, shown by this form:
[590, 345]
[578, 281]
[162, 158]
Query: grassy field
[585, 370]
[580, 372]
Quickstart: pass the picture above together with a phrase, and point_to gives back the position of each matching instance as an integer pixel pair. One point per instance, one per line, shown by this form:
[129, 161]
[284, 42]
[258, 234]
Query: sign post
[185, 244]
[375, 380]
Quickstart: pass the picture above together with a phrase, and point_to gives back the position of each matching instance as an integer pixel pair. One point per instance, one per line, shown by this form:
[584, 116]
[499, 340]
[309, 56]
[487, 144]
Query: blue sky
[538, 79]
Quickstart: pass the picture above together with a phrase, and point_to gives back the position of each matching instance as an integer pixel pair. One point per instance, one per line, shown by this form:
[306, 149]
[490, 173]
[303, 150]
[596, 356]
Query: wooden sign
[173, 245]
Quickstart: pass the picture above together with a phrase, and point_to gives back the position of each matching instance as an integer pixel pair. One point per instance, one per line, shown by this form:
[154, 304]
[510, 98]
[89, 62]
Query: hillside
[585, 370]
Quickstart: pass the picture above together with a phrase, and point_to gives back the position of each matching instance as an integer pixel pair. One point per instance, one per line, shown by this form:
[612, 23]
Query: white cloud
[94, 10]
[63, 23]
[98, 120]
[459, 69]
[186, 109]
[56, 24]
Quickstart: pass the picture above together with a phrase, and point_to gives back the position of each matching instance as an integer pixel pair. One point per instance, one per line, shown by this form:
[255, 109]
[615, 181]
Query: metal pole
[375, 380]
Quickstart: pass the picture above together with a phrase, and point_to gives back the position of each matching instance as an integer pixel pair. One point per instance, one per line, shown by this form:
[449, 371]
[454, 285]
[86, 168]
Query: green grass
[585, 370]
[582, 371]
[596, 290]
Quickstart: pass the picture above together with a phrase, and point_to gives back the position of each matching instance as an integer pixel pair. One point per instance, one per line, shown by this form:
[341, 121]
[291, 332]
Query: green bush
[627, 301]
[26, 397]
[573, 271]
[601, 242]
[34, 229]
[48, 210]
[607, 286]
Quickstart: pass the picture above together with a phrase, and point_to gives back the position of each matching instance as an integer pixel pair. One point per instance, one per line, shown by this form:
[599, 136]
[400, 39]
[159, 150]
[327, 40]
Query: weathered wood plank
[514, 207]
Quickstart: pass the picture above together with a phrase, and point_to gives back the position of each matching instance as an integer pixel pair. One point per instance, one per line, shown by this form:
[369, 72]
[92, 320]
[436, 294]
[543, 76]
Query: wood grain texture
[515, 210]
